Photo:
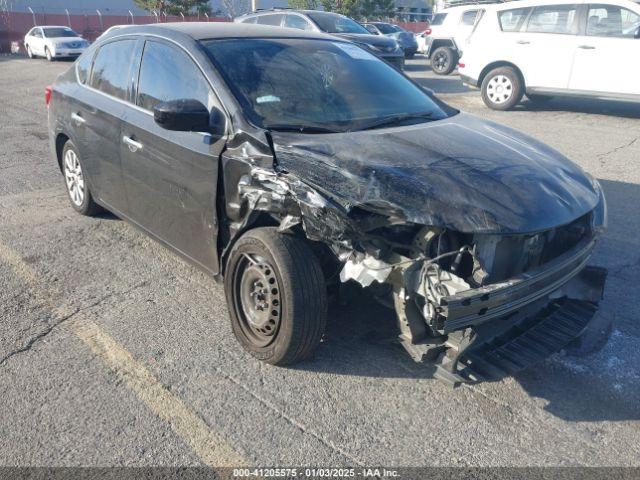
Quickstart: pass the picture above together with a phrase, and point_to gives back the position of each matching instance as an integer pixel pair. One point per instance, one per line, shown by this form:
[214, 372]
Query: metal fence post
[68, 17]
[33, 14]
[182, 15]
[100, 17]
[133, 20]
[206, 15]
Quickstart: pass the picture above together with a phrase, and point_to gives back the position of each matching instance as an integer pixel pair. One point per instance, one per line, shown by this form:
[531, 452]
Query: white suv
[543, 48]
[54, 42]
[447, 32]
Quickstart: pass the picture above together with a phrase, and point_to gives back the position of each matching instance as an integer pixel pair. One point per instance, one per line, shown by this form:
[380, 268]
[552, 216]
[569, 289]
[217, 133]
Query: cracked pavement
[155, 324]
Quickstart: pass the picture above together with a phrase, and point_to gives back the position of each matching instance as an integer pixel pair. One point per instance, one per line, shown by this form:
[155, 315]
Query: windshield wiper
[300, 128]
[395, 119]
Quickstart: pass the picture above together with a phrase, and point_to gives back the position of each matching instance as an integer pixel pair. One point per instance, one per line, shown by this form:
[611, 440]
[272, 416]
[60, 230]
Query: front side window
[275, 19]
[469, 17]
[512, 20]
[296, 21]
[250, 20]
[110, 73]
[37, 33]
[553, 19]
[334, 23]
[166, 74]
[57, 32]
[306, 83]
[612, 21]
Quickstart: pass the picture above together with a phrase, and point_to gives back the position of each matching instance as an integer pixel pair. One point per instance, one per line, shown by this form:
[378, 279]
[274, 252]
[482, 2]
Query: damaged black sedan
[288, 163]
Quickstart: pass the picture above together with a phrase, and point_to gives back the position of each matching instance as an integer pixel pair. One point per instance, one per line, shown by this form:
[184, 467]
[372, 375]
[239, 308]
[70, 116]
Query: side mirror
[188, 115]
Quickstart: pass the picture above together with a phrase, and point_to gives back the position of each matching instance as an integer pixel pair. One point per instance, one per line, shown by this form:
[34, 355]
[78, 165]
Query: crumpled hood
[379, 41]
[462, 173]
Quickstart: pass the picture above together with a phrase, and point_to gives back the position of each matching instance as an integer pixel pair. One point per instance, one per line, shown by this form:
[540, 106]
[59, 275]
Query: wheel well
[441, 43]
[499, 64]
[61, 139]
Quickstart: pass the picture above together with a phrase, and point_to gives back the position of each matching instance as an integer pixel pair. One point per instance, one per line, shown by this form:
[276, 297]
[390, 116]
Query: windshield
[318, 85]
[333, 23]
[438, 19]
[59, 32]
[386, 28]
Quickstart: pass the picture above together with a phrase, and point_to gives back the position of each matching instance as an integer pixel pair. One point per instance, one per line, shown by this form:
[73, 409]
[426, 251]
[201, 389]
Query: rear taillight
[47, 95]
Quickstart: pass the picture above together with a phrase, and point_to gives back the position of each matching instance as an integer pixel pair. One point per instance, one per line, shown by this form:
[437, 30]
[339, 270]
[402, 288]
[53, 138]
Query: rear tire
[502, 88]
[76, 183]
[276, 295]
[444, 60]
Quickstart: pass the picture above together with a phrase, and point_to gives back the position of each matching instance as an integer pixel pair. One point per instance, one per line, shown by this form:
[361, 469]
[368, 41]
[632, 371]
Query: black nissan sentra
[286, 163]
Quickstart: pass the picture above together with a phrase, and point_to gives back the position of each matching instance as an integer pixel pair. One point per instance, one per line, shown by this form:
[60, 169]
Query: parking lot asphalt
[115, 352]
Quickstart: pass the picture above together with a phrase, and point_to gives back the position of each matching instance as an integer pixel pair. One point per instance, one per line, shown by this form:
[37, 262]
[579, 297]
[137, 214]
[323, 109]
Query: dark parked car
[406, 40]
[333, 23]
[274, 159]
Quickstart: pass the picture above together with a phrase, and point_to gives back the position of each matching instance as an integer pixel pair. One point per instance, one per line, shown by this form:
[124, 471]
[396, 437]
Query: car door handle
[523, 42]
[587, 47]
[76, 117]
[132, 144]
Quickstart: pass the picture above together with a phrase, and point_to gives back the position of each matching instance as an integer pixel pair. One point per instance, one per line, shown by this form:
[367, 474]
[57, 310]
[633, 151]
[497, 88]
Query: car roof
[212, 30]
[535, 3]
[287, 10]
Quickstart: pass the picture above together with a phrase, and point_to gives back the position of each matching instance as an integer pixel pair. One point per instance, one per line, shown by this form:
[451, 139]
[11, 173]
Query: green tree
[175, 7]
[360, 9]
[304, 4]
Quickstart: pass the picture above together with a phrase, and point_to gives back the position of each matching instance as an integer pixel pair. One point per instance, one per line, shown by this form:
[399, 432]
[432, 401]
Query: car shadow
[361, 333]
[593, 106]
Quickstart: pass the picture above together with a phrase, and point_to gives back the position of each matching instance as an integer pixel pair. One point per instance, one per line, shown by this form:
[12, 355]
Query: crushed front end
[484, 306]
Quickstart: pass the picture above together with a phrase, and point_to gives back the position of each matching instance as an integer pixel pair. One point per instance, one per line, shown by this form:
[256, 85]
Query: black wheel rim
[440, 62]
[257, 299]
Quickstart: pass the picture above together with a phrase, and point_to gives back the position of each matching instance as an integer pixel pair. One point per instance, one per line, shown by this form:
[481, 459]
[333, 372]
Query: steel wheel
[499, 89]
[74, 178]
[440, 62]
[258, 299]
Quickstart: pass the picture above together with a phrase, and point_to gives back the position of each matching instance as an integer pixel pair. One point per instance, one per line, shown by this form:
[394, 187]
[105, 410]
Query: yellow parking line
[193, 430]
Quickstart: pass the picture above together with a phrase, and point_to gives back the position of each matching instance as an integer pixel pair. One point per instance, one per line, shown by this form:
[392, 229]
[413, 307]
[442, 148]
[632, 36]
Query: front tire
[502, 88]
[444, 60]
[276, 295]
[74, 179]
[47, 53]
[29, 52]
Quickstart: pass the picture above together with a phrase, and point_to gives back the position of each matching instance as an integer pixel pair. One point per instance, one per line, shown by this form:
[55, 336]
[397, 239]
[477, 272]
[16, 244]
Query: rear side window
[512, 20]
[438, 19]
[612, 21]
[296, 21]
[83, 67]
[469, 17]
[110, 73]
[166, 74]
[553, 19]
[275, 19]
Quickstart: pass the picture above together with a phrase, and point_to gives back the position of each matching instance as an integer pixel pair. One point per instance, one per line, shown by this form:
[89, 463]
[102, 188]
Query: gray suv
[339, 25]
